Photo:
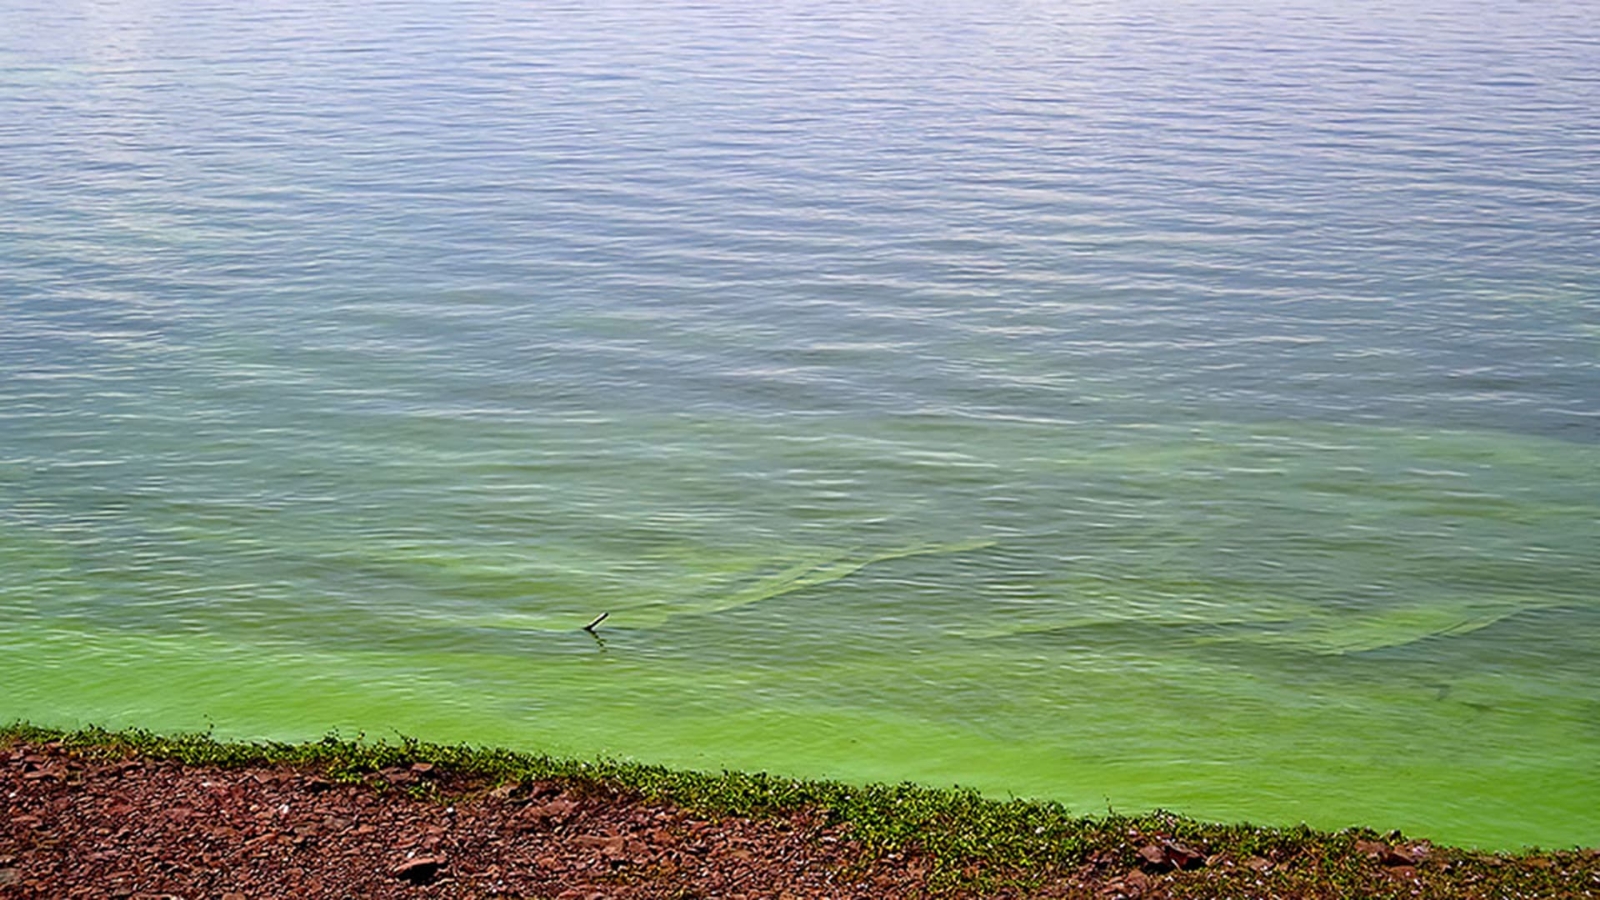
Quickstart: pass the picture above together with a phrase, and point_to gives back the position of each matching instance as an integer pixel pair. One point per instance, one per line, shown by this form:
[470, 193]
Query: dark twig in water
[597, 620]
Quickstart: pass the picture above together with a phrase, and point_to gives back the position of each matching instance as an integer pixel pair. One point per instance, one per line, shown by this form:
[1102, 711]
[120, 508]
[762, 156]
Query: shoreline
[185, 815]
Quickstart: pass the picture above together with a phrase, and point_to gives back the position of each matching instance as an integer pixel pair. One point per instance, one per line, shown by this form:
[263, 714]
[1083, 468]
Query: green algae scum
[1358, 676]
[1121, 406]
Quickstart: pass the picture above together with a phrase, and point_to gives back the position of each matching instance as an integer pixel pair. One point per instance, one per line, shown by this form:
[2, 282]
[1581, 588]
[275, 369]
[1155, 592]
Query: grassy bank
[973, 843]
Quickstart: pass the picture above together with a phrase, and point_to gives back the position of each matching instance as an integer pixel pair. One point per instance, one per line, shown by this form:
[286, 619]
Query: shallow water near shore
[1128, 405]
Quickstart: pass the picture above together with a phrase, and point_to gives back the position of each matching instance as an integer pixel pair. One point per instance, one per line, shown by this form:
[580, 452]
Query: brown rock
[1392, 856]
[1134, 884]
[1396, 857]
[1165, 855]
[397, 776]
[609, 846]
[555, 810]
[422, 870]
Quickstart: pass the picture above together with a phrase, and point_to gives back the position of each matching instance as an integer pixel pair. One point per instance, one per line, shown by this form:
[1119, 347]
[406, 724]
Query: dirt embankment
[96, 825]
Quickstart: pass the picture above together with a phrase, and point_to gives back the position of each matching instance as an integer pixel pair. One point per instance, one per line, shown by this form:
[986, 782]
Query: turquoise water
[1132, 405]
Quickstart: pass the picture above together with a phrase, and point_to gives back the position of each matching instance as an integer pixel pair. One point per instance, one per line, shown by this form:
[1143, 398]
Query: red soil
[82, 827]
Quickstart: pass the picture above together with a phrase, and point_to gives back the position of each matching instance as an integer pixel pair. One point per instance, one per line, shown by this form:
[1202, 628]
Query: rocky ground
[104, 825]
[144, 829]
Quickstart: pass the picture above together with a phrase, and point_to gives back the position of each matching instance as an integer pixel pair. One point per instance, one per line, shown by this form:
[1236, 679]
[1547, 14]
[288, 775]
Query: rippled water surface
[1132, 404]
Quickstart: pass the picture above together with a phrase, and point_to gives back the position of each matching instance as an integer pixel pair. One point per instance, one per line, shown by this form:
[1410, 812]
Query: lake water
[1132, 404]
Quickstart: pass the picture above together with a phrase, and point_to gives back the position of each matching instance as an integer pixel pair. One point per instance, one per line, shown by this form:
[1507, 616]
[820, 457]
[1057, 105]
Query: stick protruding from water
[597, 620]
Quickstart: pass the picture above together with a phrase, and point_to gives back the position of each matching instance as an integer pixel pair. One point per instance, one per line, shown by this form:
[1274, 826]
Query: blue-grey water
[1132, 404]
